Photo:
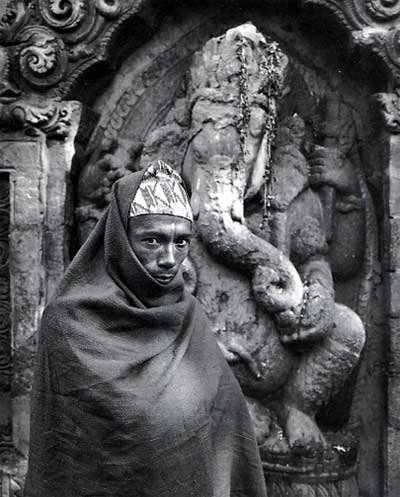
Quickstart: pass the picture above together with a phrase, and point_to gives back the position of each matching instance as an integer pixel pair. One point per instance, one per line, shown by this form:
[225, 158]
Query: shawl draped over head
[132, 397]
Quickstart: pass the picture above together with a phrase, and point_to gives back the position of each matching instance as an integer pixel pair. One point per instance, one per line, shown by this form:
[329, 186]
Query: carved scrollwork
[383, 10]
[79, 24]
[75, 19]
[109, 8]
[64, 14]
[16, 16]
[54, 120]
[46, 38]
[70, 14]
[392, 49]
[42, 58]
[78, 19]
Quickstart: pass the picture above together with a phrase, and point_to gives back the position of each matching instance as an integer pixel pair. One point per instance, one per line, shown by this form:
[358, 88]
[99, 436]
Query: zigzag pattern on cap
[161, 191]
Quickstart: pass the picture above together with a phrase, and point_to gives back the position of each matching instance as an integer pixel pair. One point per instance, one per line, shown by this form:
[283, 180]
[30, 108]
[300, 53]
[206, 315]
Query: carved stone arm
[316, 314]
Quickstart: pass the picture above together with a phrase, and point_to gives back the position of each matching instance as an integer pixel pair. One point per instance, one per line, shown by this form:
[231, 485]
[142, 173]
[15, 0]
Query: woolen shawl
[132, 397]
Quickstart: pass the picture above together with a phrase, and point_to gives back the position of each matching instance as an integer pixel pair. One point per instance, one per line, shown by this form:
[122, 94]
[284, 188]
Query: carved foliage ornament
[45, 37]
[44, 40]
[60, 15]
[54, 119]
[77, 19]
[41, 57]
[63, 15]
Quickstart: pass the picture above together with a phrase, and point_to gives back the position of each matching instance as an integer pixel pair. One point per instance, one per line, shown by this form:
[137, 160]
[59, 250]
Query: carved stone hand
[315, 320]
[327, 167]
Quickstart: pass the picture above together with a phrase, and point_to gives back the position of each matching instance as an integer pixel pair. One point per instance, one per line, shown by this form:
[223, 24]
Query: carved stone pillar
[390, 105]
[35, 160]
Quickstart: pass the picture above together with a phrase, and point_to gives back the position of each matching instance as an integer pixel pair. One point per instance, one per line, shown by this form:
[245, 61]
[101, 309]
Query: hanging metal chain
[244, 106]
[271, 69]
[270, 64]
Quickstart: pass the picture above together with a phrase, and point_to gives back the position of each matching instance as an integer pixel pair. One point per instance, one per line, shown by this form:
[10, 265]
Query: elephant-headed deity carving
[261, 202]
[280, 205]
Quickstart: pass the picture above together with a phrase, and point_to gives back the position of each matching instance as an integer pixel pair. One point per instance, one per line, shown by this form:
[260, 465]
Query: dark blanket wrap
[132, 397]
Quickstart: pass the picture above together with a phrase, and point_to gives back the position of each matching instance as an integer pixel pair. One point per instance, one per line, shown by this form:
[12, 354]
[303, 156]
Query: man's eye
[150, 241]
[182, 243]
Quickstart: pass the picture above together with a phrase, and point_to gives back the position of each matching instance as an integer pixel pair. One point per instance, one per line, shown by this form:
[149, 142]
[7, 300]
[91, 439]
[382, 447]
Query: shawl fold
[132, 397]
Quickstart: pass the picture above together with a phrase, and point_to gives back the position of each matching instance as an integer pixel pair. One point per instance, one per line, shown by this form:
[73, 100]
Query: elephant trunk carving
[217, 201]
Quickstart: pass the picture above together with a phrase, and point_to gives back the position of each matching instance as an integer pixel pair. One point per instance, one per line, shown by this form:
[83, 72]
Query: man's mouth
[164, 278]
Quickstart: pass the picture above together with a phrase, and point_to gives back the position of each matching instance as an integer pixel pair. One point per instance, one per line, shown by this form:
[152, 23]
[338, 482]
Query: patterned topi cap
[161, 191]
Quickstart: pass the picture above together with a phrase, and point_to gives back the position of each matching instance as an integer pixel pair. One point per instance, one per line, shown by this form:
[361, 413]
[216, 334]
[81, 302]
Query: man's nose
[167, 257]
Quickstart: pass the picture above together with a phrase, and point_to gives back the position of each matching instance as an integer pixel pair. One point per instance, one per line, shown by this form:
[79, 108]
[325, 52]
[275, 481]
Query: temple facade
[283, 117]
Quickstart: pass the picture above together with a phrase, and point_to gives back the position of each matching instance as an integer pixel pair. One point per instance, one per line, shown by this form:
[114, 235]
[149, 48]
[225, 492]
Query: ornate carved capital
[54, 119]
[389, 106]
[45, 42]
[373, 24]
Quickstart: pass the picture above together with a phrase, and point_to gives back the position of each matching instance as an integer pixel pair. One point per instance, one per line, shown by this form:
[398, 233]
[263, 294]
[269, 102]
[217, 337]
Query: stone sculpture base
[309, 473]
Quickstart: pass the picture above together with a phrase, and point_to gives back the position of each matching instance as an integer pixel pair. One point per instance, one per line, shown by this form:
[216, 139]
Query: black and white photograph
[199, 257]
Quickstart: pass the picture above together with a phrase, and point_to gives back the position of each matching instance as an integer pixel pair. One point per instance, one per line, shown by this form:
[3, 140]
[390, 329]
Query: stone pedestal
[331, 472]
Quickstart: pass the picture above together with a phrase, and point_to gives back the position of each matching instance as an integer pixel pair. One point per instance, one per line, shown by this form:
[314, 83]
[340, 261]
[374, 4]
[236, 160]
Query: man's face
[161, 243]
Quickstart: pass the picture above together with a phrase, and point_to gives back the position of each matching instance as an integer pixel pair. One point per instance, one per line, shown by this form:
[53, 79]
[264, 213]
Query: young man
[133, 396]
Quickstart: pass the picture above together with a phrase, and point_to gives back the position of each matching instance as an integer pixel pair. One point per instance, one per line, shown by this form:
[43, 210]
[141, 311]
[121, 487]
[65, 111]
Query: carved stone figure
[279, 210]
[336, 168]
[272, 300]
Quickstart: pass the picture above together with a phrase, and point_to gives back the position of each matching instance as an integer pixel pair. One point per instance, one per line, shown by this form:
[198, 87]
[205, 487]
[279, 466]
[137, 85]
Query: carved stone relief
[47, 39]
[256, 167]
[285, 345]
[317, 143]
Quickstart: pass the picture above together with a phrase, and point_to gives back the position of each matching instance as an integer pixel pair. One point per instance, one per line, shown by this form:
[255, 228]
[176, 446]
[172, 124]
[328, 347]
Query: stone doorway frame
[46, 50]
